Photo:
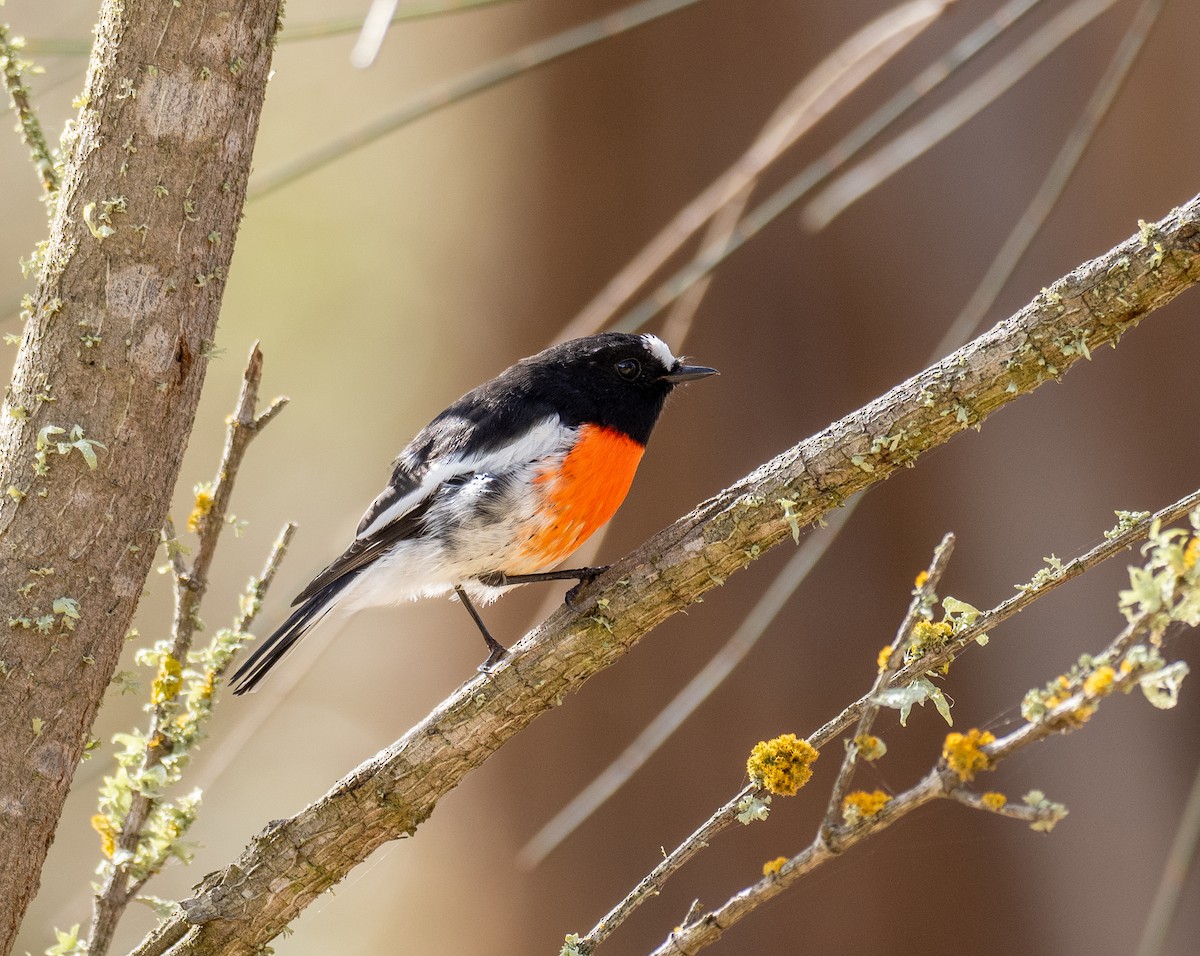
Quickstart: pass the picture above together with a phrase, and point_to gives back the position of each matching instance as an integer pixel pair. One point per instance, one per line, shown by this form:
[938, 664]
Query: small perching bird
[500, 487]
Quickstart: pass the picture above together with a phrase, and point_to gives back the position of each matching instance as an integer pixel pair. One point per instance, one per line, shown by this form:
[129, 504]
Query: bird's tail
[271, 651]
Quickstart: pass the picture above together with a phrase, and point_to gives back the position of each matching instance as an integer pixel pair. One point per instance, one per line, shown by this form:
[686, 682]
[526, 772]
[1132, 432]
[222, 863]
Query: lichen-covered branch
[1163, 593]
[108, 375]
[180, 699]
[13, 67]
[289, 864]
[752, 802]
[924, 594]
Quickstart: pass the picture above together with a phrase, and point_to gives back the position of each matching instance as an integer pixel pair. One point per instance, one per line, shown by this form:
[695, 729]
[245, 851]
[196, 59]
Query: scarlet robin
[500, 487]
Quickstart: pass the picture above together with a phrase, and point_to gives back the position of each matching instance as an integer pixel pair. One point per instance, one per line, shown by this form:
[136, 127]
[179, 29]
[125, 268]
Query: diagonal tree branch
[292, 861]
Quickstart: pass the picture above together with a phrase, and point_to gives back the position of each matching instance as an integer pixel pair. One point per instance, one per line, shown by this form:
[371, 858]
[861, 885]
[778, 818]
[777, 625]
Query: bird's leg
[498, 579]
[497, 649]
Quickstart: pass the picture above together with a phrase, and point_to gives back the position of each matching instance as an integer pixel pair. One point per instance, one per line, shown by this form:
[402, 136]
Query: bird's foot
[586, 576]
[498, 654]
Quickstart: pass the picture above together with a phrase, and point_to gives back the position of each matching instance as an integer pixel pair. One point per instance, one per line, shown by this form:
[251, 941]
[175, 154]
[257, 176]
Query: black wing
[366, 550]
[316, 600]
[484, 419]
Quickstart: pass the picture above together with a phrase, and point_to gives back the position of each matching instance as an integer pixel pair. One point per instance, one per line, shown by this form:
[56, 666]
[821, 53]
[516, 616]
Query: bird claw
[498, 654]
[586, 577]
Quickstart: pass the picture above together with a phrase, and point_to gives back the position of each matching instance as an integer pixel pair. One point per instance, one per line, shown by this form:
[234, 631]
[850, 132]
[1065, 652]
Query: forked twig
[742, 801]
[1130, 659]
[923, 593]
[120, 883]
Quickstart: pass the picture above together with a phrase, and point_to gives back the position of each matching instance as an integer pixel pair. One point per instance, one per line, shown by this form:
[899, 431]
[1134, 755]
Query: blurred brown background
[388, 283]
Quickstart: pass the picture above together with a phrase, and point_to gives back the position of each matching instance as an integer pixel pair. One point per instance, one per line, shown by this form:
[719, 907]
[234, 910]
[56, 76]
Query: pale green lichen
[790, 516]
[917, 692]
[753, 808]
[67, 943]
[888, 442]
[1054, 568]
[1161, 687]
[1167, 588]
[570, 946]
[98, 217]
[1050, 814]
[68, 611]
[1126, 521]
[47, 442]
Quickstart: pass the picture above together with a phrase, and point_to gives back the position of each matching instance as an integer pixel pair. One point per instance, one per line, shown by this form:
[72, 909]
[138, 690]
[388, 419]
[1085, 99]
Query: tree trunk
[108, 376]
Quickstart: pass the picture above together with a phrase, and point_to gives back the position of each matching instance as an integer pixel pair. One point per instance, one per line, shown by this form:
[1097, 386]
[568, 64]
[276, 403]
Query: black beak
[688, 373]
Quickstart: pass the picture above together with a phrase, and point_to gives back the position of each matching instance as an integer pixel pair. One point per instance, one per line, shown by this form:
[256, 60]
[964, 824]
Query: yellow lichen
[993, 800]
[885, 655]
[108, 835]
[771, 867]
[963, 755]
[200, 510]
[931, 635]
[206, 688]
[860, 805]
[928, 637]
[1100, 682]
[782, 765]
[921, 579]
[870, 747]
[169, 680]
[1191, 553]
[1077, 717]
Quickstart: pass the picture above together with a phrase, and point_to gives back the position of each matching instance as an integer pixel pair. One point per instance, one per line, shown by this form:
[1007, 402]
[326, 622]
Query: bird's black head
[614, 379]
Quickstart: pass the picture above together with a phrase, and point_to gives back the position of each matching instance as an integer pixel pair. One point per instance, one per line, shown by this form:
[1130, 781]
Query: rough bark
[108, 376]
[240, 908]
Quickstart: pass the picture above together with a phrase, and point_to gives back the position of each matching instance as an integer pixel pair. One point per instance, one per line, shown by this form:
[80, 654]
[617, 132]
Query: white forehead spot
[658, 348]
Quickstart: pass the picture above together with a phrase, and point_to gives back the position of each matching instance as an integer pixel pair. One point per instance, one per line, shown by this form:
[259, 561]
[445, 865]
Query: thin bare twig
[317, 30]
[784, 198]
[374, 29]
[836, 77]
[476, 81]
[1174, 876]
[119, 885]
[1056, 179]
[853, 184]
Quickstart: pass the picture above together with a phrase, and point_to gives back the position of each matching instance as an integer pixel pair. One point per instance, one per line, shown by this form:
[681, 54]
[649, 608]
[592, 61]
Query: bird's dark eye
[629, 369]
